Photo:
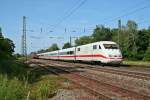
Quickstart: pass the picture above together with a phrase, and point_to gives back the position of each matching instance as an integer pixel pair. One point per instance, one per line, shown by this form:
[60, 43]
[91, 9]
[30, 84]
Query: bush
[13, 68]
[18, 81]
[12, 89]
[147, 55]
[45, 88]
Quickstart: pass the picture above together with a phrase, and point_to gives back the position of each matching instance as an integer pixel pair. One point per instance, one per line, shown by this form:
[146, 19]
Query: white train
[103, 51]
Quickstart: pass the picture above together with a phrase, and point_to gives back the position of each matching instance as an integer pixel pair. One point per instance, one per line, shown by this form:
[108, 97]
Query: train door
[88, 53]
[75, 53]
[96, 52]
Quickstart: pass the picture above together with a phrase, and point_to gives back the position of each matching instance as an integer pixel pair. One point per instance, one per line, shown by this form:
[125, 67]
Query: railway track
[75, 80]
[125, 73]
[98, 87]
[137, 75]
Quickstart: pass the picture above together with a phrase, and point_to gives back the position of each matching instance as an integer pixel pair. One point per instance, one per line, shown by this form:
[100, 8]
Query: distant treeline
[134, 43]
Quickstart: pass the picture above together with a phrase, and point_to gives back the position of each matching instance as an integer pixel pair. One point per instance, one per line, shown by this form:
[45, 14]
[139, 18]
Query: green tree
[6, 47]
[147, 54]
[122, 40]
[83, 40]
[132, 25]
[1, 36]
[142, 42]
[53, 47]
[66, 45]
[41, 51]
[131, 41]
[102, 34]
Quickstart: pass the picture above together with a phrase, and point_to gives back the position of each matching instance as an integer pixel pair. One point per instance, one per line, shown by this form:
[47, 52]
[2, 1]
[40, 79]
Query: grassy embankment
[138, 63]
[20, 82]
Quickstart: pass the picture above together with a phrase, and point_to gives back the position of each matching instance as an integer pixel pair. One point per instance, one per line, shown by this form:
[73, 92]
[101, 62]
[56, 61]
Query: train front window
[99, 47]
[110, 46]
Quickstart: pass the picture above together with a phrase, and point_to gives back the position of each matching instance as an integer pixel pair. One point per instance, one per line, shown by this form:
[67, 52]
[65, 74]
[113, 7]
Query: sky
[65, 18]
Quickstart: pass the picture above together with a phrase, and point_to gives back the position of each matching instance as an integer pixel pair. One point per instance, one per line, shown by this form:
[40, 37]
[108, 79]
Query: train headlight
[115, 55]
[119, 56]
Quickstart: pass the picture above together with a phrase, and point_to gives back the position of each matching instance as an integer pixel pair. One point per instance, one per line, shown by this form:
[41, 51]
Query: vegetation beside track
[19, 81]
[137, 63]
[22, 82]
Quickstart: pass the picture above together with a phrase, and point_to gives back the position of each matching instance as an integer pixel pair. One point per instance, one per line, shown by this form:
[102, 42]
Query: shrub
[46, 87]
[147, 55]
[12, 89]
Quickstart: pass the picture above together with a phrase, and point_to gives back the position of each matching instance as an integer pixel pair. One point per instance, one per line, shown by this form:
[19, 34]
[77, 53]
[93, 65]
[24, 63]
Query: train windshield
[111, 46]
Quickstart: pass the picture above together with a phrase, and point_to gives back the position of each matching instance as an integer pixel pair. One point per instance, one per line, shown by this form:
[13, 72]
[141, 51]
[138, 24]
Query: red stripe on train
[78, 56]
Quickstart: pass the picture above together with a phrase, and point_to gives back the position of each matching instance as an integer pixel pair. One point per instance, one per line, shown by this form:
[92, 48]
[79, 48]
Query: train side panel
[67, 54]
[84, 53]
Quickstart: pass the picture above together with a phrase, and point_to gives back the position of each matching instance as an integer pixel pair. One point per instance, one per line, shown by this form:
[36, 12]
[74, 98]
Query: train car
[103, 51]
[49, 55]
[67, 54]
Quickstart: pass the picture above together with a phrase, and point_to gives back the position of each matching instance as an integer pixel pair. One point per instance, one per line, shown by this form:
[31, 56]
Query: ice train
[102, 51]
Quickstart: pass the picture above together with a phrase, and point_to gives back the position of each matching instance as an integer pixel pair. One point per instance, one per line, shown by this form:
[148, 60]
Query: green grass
[140, 63]
[46, 88]
[20, 82]
[12, 89]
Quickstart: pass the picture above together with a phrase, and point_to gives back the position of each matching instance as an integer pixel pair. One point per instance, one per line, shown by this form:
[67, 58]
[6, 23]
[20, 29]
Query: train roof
[48, 52]
[100, 42]
[72, 48]
[67, 49]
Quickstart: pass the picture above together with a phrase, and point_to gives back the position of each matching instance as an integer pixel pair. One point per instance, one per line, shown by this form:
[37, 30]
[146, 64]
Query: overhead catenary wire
[144, 21]
[84, 1]
[128, 13]
[71, 12]
[79, 3]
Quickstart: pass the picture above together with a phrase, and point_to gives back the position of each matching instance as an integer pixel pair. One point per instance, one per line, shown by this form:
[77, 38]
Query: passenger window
[99, 47]
[78, 49]
[94, 46]
[71, 52]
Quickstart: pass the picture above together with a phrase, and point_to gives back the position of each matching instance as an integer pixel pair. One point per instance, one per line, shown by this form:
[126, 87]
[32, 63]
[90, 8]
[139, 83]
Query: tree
[147, 54]
[83, 40]
[41, 51]
[142, 42]
[53, 47]
[132, 33]
[6, 47]
[1, 33]
[66, 45]
[102, 34]
[132, 25]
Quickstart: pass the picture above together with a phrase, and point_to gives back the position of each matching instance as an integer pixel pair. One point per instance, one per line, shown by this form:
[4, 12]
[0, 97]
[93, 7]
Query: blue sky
[46, 14]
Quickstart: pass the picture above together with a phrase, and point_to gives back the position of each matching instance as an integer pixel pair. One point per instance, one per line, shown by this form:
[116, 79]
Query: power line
[71, 12]
[129, 13]
[77, 5]
[143, 21]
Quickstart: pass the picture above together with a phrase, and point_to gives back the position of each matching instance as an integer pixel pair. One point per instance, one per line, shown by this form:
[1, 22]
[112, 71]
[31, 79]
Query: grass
[12, 89]
[46, 88]
[19, 82]
[139, 63]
